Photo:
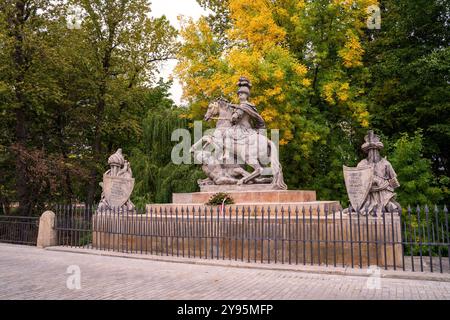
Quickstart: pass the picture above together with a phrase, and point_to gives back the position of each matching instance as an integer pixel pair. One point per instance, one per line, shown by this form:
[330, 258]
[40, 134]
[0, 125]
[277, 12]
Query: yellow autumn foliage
[352, 52]
[306, 82]
[258, 48]
[269, 114]
[253, 21]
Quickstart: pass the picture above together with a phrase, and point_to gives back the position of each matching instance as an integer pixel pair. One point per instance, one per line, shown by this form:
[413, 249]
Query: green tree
[28, 96]
[305, 59]
[414, 172]
[409, 63]
[158, 177]
[69, 96]
[123, 45]
[219, 19]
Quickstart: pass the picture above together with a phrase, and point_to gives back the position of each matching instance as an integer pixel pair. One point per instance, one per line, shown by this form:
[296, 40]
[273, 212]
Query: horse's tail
[277, 171]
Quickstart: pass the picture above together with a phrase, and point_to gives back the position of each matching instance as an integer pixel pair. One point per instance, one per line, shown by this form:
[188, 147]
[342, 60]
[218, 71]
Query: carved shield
[358, 182]
[117, 190]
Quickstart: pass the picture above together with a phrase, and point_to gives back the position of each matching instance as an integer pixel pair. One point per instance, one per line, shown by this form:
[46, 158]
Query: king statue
[239, 142]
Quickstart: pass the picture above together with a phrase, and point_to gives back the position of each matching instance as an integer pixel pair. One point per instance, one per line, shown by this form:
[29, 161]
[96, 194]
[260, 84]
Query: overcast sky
[172, 9]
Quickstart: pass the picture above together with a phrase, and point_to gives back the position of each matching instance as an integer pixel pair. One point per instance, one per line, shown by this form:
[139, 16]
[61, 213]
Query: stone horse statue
[254, 150]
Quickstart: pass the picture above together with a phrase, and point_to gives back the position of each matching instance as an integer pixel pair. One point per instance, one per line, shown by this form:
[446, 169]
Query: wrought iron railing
[19, 230]
[417, 240]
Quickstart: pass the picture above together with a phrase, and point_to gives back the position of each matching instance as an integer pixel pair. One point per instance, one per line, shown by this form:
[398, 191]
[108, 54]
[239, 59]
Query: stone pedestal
[237, 188]
[299, 238]
[265, 202]
[256, 208]
[243, 197]
[47, 235]
[263, 226]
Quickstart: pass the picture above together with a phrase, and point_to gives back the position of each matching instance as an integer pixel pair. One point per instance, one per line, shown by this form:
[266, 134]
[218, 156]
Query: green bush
[418, 185]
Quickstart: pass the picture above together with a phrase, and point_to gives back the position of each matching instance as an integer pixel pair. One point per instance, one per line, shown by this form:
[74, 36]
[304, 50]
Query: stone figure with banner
[370, 186]
[118, 184]
[238, 142]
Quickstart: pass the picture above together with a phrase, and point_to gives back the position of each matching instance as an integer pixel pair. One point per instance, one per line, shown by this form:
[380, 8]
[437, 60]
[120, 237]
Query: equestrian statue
[238, 143]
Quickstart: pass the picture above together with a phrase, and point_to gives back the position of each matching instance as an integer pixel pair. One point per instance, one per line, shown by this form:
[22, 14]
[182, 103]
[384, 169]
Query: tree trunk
[23, 194]
[6, 205]
[97, 143]
[93, 177]
[21, 63]
[100, 110]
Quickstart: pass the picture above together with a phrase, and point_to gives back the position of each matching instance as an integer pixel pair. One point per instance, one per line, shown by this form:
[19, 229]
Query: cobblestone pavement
[32, 273]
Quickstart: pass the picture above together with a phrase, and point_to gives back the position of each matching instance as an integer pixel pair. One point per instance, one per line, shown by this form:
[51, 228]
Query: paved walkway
[32, 273]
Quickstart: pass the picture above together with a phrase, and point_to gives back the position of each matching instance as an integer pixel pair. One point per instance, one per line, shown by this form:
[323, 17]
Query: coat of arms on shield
[358, 182]
[117, 190]
[118, 184]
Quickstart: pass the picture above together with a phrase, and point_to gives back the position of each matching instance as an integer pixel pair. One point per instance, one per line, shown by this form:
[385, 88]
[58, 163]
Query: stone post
[47, 236]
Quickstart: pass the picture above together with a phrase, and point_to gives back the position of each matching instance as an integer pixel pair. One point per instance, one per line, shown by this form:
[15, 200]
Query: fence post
[47, 235]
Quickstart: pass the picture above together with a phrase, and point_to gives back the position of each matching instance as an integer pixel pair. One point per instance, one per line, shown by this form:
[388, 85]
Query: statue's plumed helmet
[372, 141]
[244, 85]
[117, 159]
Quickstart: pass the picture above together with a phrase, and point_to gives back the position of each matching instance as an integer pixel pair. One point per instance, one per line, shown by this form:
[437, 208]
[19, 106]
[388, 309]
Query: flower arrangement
[219, 199]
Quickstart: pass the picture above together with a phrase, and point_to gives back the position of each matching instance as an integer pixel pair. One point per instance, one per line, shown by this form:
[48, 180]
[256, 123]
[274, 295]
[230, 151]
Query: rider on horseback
[237, 142]
[245, 119]
[244, 113]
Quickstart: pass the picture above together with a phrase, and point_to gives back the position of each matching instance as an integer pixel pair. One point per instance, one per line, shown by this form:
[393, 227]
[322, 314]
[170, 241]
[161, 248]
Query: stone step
[245, 197]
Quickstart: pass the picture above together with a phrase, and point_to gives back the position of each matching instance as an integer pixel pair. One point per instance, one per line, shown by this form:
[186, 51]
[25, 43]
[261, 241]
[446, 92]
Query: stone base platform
[248, 197]
[316, 239]
[255, 208]
[234, 187]
[258, 202]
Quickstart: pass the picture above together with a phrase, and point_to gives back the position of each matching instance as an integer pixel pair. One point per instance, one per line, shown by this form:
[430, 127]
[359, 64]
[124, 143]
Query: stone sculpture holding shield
[117, 185]
[370, 186]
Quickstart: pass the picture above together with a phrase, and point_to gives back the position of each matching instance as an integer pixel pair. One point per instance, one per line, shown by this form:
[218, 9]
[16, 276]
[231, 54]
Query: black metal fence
[19, 230]
[74, 225]
[417, 240]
